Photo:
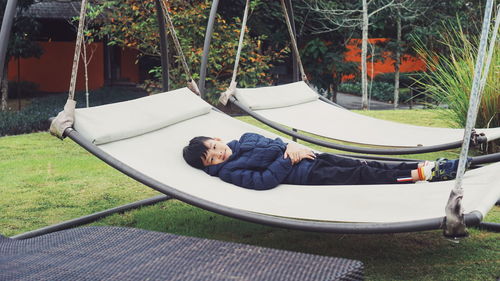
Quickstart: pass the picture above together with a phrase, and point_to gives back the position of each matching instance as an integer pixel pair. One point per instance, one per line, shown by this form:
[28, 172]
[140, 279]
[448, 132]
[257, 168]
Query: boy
[260, 163]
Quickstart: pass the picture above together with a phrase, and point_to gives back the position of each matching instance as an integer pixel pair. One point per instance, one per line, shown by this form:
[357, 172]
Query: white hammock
[297, 106]
[148, 134]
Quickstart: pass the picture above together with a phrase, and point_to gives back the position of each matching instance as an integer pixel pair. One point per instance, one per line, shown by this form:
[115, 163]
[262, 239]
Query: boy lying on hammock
[260, 163]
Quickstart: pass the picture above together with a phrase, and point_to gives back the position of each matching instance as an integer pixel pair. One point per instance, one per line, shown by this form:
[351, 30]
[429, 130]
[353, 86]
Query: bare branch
[388, 5]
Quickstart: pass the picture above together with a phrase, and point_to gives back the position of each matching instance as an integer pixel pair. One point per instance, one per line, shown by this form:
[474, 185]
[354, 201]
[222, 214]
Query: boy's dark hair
[193, 152]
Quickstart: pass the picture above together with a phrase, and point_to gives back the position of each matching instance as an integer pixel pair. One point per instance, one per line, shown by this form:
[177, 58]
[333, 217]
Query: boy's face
[217, 152]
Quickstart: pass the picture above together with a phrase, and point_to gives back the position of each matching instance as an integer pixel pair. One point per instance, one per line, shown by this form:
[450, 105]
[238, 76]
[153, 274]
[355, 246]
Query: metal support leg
[296, 74]
[163, 46]
[91, 218]
[206, 48]
[8, 19]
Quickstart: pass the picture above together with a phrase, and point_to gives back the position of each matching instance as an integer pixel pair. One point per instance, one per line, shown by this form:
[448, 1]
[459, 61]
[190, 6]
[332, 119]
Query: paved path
[354, 102]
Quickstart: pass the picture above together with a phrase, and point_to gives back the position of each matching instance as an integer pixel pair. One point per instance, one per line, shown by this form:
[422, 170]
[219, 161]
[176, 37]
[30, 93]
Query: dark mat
[116, 253]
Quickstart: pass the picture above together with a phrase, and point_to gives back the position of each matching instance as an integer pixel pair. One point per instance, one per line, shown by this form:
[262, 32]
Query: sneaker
[447, 169]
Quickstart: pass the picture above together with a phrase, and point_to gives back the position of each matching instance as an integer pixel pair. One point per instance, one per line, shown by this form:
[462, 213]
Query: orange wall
[52, 71]
[408, 63]
[129, 67]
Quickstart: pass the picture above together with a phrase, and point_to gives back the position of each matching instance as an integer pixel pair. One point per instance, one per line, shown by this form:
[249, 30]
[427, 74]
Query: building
[109, 65]
[409, 63]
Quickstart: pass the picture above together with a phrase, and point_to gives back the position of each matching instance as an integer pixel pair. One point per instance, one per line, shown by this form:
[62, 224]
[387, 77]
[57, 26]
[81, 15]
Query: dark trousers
[330, 169]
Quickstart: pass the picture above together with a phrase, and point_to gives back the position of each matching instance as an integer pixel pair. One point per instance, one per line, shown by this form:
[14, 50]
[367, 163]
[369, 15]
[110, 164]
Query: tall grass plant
[450, 78]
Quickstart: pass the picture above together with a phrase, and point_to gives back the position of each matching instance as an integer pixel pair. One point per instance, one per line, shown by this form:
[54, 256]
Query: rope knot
[63, 120]
[193, 87]
[224, 97]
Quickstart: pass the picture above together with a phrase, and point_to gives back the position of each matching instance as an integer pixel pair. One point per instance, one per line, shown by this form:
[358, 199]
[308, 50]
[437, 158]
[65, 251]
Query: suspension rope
[76, 57]
[190, 81]
[66, 118]
[240, 43]
[224, 97]
[294, 42]
[454, 222]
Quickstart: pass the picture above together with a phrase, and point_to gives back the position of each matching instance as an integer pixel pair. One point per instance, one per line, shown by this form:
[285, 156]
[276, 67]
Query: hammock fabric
[297, 106]
[144, 138]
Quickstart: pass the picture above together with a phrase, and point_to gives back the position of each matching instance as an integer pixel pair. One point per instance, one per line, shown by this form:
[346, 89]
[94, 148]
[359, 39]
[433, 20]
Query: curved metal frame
[91, 218]
[390, 151]
[472, 219]
[8, 19]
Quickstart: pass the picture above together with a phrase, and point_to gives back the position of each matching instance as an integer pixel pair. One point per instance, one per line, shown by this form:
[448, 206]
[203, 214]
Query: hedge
[33, 117]
[381, 91]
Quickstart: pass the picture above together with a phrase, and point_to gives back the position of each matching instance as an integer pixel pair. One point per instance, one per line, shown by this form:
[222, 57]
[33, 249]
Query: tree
[334, 15]
[325, 65]
[421, 20]
[129, 23]
[21, 44]
[404, 16]
[88, 39]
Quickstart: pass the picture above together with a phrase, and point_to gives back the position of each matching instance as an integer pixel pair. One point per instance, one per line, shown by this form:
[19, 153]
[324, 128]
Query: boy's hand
[297, 153]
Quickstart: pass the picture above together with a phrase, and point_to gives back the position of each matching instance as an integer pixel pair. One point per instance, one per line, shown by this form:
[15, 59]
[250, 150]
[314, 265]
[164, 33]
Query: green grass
[44, 181]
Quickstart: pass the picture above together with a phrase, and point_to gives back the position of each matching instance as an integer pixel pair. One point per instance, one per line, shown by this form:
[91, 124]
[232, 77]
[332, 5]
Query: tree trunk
[397, 64]
[364, 43]
[86, 66]
[333, 90]
[5, 89]
[372, 55]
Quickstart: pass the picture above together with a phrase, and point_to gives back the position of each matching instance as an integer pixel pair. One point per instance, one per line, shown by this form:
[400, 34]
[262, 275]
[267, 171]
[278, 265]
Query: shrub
[22, 89]
[34, 117]
[406, 79]
[381, 91]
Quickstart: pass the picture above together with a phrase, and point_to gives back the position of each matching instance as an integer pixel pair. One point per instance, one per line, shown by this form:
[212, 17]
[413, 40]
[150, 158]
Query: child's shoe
[447, 169]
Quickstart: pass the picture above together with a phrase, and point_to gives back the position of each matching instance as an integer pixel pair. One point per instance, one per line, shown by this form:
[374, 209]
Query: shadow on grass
[401, 256]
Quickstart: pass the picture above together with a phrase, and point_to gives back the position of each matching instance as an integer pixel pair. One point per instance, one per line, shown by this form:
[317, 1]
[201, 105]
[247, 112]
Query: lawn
[44, 181]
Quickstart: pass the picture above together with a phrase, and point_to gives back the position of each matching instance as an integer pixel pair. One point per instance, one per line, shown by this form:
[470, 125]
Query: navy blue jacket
[257, 163]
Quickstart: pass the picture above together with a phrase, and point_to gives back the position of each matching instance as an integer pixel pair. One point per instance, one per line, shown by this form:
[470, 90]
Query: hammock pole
[454, 225]
[163, 45]
[206, 48]
[295, 66]
[294, 41]
[8, 19]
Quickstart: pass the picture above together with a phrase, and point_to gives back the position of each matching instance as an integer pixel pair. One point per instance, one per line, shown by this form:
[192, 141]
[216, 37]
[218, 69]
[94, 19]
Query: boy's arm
[276, 142]
[296, 153]
[258, 180]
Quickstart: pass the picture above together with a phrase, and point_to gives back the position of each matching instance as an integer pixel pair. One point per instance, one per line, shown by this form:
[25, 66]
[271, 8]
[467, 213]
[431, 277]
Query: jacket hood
[213, 170]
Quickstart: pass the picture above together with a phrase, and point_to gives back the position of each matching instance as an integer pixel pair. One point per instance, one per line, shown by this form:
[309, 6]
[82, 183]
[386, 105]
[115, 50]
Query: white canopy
[158, 154]
[297, 106]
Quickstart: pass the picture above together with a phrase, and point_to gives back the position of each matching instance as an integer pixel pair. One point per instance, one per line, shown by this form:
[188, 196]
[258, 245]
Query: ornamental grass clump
[451, 74]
